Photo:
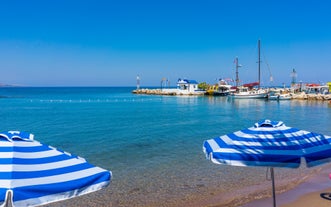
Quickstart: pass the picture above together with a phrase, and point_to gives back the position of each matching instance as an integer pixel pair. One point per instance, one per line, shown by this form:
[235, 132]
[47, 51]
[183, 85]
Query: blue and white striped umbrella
[33, 174]
[269, 144]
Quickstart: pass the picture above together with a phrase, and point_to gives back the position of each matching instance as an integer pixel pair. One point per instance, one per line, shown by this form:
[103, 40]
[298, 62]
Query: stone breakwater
[177, 92]
[304, 96]
[169, 92]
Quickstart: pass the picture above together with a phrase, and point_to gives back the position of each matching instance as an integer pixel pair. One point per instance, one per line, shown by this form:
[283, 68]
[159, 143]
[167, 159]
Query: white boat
[221, 89]
[247, 91]
[284, 97]
[279, 96]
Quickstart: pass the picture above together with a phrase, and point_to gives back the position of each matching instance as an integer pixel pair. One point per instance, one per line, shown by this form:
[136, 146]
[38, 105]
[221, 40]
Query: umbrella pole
[8, 202]
[273, 186]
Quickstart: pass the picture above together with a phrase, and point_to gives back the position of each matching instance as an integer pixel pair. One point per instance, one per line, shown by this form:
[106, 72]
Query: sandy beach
[315, 191]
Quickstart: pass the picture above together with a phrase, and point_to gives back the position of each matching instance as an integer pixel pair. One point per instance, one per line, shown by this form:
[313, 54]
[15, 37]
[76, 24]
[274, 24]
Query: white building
[190, 86]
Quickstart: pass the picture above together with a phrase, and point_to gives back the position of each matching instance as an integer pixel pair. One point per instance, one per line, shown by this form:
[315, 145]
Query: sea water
[151, 143]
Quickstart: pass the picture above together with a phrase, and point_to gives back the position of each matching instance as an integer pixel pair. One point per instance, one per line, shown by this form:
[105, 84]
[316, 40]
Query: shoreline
[290, 192]
[306, 191]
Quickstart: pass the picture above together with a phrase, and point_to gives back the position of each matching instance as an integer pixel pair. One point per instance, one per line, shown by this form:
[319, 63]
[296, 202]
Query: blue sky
[108, 43]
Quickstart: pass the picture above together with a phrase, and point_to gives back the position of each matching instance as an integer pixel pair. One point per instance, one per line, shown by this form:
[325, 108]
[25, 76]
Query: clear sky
[109, 43]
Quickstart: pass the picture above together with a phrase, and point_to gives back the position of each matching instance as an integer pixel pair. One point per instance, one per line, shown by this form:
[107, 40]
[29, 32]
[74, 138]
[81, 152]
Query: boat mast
[237, 76]
[259, 61]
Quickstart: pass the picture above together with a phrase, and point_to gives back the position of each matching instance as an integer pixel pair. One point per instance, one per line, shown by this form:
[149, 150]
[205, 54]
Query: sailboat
[247, 91]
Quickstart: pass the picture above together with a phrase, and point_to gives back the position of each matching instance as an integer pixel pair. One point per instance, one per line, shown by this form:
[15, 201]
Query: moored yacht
[245, 92]
[248, 90]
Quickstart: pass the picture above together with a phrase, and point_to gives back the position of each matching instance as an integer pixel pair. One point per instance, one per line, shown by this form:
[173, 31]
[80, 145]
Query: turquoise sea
[153, 144]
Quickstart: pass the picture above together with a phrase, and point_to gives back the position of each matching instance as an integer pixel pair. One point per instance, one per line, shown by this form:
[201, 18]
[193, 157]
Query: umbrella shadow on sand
[326, 196]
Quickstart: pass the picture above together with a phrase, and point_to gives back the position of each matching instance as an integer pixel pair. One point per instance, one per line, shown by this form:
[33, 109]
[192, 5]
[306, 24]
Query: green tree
[203, 86]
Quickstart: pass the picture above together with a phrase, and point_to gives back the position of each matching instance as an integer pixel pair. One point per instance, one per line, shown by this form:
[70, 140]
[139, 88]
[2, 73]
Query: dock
[169, 92]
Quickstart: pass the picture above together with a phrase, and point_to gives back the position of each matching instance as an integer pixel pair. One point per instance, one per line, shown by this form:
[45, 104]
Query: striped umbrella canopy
[269, 144]
[33, 174]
